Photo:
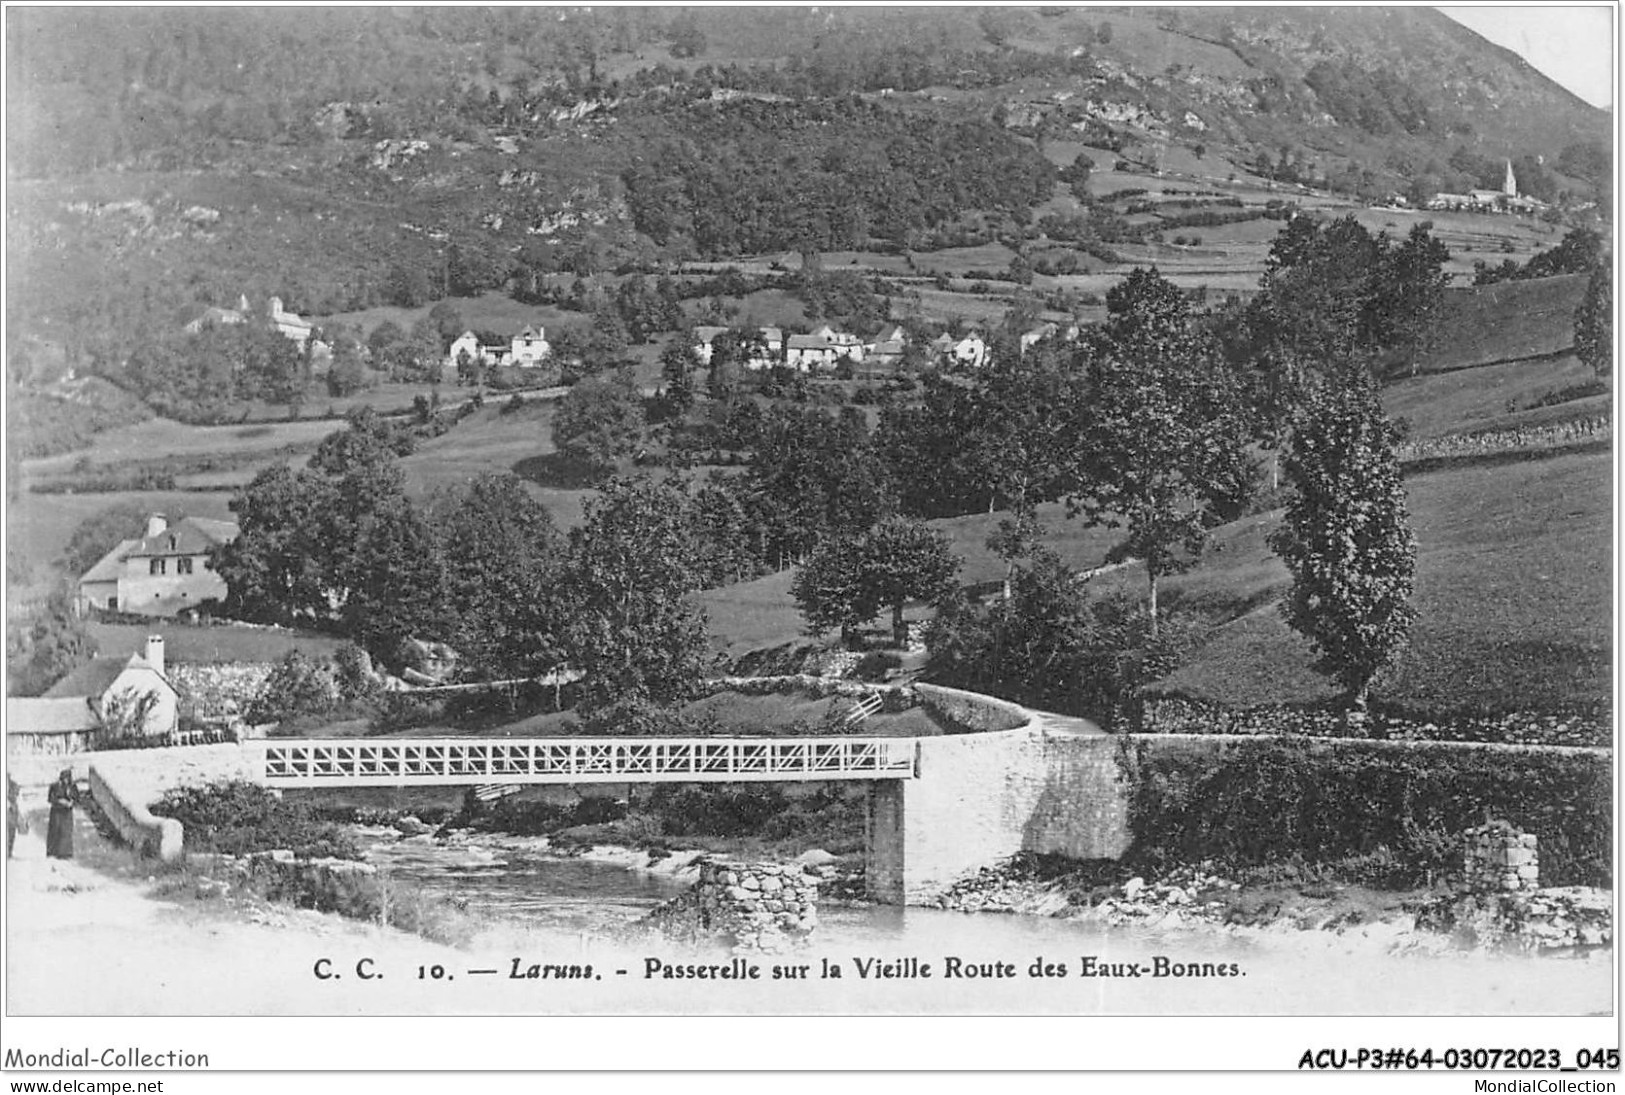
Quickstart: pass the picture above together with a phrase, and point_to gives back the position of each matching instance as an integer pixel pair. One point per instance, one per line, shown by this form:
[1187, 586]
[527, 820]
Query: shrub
[299, 685]
[403, 711]
[874, 665]
[237, 818]
[715, 810]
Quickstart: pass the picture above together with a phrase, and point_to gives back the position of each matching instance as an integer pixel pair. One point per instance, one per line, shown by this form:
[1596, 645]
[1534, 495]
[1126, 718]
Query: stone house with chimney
[106, 696]
[161, 573]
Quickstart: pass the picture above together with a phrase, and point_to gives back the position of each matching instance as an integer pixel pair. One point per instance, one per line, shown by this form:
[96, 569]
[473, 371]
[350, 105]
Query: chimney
[155, 652]
[156, 523]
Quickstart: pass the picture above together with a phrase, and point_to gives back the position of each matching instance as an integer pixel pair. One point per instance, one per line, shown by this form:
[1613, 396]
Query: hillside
[453, 151]
[1508, 321]
[1513, 591]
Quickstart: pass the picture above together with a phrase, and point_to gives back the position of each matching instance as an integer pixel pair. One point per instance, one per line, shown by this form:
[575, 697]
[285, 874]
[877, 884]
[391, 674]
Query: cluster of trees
[1331, 293]
[1375, 100]
[1052, 645]
[339, 546]
[1580, 252]
[828, 175]
[200, 377]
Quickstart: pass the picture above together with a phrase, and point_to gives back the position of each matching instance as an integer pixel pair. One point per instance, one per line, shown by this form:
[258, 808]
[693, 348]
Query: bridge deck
[441, 761]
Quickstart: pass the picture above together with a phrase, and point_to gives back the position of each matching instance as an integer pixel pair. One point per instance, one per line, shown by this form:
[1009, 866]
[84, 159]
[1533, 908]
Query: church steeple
[1510, 186]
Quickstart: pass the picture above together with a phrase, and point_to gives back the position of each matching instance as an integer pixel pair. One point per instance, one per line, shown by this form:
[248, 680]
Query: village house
[292, 327]
[525, 350]
[822, 349]
[885, 350]
[764, 347]
[161, 573]
[969, 352]
[107, 696]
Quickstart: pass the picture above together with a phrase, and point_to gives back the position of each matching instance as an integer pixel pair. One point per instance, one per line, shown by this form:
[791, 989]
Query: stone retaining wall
[750, 906]
[973, 712]
[1557, 918]
[154, 837]
[1177, 715]
[894, 698]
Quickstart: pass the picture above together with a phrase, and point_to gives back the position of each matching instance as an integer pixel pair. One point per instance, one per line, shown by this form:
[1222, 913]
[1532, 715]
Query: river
[577, 908]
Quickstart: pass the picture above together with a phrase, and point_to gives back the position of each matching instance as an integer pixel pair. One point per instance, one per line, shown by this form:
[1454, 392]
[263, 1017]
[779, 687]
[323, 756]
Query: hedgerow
[1248, 802]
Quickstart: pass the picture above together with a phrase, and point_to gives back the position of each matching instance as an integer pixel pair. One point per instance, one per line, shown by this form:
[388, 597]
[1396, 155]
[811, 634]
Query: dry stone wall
[1497, 857]
[219, 693]
[749, 906]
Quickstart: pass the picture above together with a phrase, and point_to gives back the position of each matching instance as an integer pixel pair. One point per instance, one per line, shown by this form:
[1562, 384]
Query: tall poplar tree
[1346, 535]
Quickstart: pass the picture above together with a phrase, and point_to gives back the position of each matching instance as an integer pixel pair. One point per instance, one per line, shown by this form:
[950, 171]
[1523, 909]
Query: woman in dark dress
[14, 814]
[59, 833]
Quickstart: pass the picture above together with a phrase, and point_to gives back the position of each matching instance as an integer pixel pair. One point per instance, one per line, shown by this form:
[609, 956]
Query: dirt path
[82, 942]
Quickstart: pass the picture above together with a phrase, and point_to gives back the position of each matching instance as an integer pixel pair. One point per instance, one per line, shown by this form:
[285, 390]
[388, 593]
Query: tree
[448, 322]
[828, 589]
[1406, 297]
[54, 645]
[1346, 537]
[1594, 323]
[850, 578]
[906, 561]
[279, 568]
[394, 581]
[678, 364]
[100, 533]
[631, 627]
[600, 420]
[347, 374]
[503, 555]
[1163, 439]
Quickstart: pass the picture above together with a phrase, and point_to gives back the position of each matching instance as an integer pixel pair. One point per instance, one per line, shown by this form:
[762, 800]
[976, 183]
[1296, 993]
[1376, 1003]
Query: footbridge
[481, 762]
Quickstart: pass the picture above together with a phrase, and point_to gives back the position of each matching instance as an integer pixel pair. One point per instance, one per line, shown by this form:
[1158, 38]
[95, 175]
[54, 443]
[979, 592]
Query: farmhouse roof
[188, 536]
[808, 342]
[707, 334]
[93, 679]
[108, 568]
[48, 715]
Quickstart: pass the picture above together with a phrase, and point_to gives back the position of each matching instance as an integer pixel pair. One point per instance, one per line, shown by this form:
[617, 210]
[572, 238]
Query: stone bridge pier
[980, 798]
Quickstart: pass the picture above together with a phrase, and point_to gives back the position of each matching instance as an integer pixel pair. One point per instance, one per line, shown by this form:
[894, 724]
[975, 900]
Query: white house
[290, 326]
[526, 350]
[529, 348]
[822, 349]
[125, 695]
[467, 345]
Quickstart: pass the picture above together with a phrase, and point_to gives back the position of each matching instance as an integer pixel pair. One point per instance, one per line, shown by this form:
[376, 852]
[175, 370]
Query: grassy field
[492, 310]
[160, 437]
[209, 645]
[492, 441]
[1513, 590]
[761, 614]
[1468, 399]
[1505, 322]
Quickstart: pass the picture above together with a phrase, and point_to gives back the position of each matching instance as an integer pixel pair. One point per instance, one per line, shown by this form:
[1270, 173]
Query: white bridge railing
[432, 761]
